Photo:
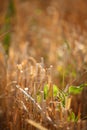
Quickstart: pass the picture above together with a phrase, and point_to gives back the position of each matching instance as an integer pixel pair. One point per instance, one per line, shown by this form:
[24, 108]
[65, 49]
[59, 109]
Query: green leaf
[72, 117]
[46, 89]
[62, 97]
[75, 89]
[55, 90]
[38, 98]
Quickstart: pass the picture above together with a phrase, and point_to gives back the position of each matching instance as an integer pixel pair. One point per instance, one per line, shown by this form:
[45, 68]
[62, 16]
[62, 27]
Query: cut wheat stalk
[36, 125]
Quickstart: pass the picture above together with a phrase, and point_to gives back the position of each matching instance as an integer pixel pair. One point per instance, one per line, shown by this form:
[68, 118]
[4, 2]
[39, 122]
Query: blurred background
[53, 29]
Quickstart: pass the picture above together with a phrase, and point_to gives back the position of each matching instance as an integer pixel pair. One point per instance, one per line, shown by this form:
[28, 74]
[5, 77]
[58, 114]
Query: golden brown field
[43, 65]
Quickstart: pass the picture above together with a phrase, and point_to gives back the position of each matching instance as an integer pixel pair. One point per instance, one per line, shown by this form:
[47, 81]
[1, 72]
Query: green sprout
[76, 89]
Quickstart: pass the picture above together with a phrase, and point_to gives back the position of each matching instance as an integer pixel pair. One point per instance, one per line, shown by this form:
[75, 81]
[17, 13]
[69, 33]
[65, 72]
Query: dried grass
[21, 109]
